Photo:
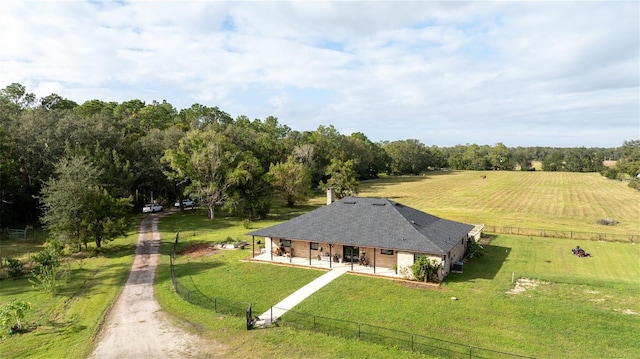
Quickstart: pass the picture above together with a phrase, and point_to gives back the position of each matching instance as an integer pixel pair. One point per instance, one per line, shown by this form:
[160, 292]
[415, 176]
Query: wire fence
[23, 234]
[590, 236]
[388, 337]
[194, 296]
[337, 327]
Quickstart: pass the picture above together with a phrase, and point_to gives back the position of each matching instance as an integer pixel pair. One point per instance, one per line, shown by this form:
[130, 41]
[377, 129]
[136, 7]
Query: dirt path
[136, 326]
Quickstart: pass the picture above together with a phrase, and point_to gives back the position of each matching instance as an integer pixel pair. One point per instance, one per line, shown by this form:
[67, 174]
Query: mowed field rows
[563, 201]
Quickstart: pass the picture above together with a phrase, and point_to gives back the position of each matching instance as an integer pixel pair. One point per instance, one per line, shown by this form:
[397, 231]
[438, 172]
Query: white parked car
[185, 203]
[151, 208]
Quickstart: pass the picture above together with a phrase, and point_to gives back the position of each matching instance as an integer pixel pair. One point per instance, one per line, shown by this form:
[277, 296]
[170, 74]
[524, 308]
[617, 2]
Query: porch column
[309, 253]
[351, 251]
[374, 261]
[330, 255]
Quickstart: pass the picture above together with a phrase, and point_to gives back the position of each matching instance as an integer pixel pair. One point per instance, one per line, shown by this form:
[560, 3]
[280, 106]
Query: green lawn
[576, 302]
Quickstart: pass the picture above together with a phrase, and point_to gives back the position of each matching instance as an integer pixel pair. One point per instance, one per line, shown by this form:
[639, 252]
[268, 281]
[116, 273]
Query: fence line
[26, 234]
[219, 305]
[386, 336]
[591, 236]
[337, 327]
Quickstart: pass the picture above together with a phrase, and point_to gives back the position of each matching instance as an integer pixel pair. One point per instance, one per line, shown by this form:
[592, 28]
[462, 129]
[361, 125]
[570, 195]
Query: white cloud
[444, 73]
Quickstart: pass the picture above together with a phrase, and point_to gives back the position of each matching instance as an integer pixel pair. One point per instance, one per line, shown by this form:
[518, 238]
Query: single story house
[369, 231]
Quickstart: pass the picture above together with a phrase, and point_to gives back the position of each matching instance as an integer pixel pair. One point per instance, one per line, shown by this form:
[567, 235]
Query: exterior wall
[383, 260]
[456, 254]
[405, 260]
[268, 245]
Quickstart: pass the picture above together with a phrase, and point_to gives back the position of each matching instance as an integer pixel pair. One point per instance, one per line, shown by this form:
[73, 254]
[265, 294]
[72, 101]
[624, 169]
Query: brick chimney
[331, 195]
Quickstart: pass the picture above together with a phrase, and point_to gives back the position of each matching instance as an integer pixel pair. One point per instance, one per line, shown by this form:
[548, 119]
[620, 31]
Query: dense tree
[127, 141]
[522, 158]
[476, 158]
[211, 163]
[500, 158]
[342, 178]
[553, 162]
[14, 99]
[151, 171]
[77, 209]
[369, 159]
[291, 181]
[57, 102]
[199, 116]
[104, 217]
[407, 156]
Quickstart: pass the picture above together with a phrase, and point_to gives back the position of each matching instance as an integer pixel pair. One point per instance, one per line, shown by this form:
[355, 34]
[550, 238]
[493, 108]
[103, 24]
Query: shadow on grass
[59, 328]
[184, 271]
[485, 267]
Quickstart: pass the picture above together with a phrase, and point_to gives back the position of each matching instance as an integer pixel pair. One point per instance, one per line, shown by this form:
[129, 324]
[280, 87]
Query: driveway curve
[136, 326]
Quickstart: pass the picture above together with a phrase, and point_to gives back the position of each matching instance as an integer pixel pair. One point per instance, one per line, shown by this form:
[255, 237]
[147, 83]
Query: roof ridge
[412, 222]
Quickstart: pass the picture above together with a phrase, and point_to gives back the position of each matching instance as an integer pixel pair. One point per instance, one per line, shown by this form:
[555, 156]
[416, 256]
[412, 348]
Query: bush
[15, 267]
[48, 278]
[48, 257]
[425, 269]
[474, 249]
[13, 312]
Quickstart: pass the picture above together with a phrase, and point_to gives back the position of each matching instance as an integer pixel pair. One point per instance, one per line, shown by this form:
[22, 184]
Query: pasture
[564, 201]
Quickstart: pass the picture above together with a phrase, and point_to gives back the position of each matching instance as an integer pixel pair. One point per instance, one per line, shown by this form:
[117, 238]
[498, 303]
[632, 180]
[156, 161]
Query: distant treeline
[154, 151]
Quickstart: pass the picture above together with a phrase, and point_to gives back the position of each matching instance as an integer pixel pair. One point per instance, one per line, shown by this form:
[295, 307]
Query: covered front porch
[322, 263]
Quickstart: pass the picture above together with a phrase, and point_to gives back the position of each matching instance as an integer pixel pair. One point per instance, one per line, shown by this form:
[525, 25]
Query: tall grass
[64, 325]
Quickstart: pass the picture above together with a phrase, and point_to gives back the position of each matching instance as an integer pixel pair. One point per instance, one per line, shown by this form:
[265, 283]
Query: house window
[386, 251]
[314, 246]
[285, 243]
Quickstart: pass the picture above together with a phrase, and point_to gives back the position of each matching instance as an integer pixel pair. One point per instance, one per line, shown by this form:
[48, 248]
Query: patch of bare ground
[524, 284]
[628, 311]
[486, 239]
[198, 250]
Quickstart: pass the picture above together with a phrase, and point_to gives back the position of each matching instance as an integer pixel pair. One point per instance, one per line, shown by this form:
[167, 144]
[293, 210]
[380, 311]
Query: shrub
[13, 312]
[48, 257]
[15, 267]
[425, 269]
[48, 278]
[474, 249]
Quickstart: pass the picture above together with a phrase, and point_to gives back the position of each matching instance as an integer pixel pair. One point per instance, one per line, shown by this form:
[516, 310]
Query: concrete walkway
[298, 296]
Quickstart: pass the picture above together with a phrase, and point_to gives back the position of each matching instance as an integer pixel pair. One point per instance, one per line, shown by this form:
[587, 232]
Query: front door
[350, 254]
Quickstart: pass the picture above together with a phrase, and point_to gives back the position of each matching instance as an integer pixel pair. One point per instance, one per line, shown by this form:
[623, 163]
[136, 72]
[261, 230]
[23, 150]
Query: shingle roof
[372, 222]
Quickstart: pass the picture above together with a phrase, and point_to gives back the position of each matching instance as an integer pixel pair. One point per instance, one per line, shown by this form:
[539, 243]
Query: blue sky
[560, 74]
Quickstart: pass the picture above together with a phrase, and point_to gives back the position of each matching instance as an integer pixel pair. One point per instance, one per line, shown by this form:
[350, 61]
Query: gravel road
[136, 326]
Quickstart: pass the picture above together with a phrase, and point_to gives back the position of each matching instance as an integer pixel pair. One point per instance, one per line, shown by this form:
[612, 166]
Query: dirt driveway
[136, 326]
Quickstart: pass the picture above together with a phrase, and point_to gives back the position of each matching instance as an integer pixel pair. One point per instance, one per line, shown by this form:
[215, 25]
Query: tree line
[78, 168]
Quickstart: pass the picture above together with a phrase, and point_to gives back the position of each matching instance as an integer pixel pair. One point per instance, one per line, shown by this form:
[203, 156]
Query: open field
[547, 200]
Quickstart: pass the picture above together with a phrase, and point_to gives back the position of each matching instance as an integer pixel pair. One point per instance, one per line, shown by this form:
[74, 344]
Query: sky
[546, 73]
